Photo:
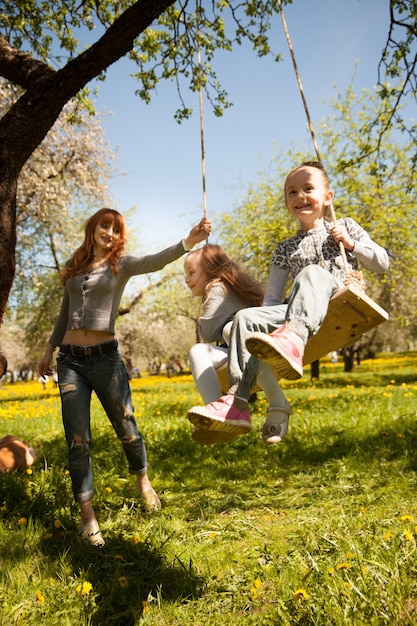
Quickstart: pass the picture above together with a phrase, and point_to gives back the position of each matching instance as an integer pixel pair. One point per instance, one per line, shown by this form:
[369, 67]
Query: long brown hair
[82, 258]
[219, 267]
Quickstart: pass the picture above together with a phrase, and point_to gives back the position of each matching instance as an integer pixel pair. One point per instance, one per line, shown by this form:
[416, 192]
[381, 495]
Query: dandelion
[331, 571]
[406, 518]
[108, 489]
[57, 523]
[123, 582]
[84, 588]
[135, 540]
[388, 536]
[40, 597]
[408, 535]
[344, 566]
[301, 594]
[22, 521]
[29, 470]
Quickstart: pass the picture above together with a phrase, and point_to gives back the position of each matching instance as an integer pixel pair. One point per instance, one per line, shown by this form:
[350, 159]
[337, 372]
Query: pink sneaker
[282, 349]
[221, 415]
[210, 437]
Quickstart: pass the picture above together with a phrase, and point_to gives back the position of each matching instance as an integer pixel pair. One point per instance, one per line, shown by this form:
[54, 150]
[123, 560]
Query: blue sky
[161, 160]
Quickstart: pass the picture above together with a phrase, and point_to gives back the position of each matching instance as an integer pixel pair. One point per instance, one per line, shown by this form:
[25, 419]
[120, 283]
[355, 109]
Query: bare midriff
[84, 337]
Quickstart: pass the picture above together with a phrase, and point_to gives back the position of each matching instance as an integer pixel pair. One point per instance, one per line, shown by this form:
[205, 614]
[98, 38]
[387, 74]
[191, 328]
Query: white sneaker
[274, 432]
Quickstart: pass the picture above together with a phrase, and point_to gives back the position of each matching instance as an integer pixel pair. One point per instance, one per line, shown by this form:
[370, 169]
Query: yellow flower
[301, 594]
[29, 471]
[84, 588]
[331, 571]
[108, 489]
[123, 581]
[408, 535]
[135, 540]
[406, 518]
[22, 521]
[57, 523]
[387, 536]
[343, 566]
[39, 596]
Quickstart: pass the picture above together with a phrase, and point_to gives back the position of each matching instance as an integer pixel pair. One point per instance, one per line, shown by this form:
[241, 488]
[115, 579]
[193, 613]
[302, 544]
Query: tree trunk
[315, 370]
[46, 92]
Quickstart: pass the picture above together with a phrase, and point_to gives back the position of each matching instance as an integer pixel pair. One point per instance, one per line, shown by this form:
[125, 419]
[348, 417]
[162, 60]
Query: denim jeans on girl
[105, 374]
[306, 309]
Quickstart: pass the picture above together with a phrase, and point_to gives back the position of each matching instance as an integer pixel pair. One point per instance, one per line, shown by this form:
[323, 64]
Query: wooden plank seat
[351, 313]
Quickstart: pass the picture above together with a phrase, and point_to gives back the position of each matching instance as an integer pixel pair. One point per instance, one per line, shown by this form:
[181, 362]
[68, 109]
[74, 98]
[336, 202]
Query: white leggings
[206, 358]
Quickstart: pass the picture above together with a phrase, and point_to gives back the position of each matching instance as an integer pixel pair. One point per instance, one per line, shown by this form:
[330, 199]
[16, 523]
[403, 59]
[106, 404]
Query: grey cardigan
[91, 300]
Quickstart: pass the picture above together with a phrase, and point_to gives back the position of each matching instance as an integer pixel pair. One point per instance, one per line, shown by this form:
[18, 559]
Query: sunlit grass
[321, 529]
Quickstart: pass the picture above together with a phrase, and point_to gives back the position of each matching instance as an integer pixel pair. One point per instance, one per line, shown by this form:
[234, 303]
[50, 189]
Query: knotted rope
[200, 92]
[352, 277]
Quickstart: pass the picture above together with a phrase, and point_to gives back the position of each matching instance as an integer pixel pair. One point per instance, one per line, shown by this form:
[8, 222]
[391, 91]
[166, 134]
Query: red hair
[82, 258]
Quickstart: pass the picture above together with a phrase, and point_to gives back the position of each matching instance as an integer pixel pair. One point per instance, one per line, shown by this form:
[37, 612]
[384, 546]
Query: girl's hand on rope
[340, 234]
[198, 233]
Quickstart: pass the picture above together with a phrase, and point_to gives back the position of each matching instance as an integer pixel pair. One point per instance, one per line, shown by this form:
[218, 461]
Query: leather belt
[84, 351]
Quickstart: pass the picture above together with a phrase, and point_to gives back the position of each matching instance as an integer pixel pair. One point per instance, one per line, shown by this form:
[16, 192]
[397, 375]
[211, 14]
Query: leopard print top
[317, 247]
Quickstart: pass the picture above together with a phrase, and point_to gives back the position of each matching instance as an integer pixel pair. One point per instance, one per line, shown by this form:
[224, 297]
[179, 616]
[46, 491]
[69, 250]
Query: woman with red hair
[89, 359]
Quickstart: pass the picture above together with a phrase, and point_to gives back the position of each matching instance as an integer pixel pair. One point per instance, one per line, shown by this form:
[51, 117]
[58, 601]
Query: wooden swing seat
[350, 314]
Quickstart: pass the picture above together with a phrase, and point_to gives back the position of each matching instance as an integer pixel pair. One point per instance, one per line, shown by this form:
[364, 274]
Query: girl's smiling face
[196, 278]
[307, 195]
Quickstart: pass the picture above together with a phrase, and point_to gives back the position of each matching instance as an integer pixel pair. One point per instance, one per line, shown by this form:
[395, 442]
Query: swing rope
[351, 277]
[200, 92]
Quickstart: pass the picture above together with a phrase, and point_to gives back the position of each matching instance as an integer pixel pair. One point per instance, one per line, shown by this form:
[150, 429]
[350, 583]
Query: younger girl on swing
[225, 289]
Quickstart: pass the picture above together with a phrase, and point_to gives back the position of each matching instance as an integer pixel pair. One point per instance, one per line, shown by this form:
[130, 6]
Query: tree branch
[21, 68]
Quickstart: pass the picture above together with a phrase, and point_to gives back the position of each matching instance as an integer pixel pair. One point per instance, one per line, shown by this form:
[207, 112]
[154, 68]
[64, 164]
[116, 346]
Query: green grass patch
[320, 529]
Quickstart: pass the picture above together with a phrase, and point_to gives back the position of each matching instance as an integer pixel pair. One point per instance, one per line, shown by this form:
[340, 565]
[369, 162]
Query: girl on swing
[276, 333]
[225, 289]
[89, 359]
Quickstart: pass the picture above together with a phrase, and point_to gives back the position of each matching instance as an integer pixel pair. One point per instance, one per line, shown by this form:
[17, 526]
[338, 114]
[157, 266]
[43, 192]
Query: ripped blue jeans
[106, 375]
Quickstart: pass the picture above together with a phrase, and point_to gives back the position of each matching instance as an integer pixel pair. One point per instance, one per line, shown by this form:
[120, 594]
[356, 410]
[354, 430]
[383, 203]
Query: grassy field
[320, 529]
